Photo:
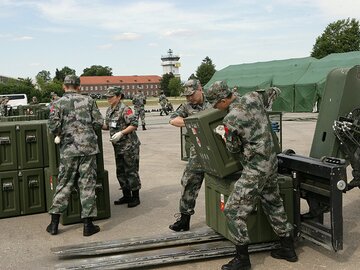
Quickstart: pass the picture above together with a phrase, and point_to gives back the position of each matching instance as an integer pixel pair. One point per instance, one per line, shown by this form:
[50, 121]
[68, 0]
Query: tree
[205, 71]
[338, 37]
[42, 78]
[164, 83]
[175, 87]
[61, 74]
[97, 70]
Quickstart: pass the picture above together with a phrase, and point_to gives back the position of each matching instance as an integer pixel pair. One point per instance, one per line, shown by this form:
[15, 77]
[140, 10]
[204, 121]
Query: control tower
[170, 63]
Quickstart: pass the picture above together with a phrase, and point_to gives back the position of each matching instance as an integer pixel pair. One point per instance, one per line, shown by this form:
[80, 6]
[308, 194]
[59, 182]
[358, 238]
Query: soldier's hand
[57, 140]
[220, 130]
[116, 137]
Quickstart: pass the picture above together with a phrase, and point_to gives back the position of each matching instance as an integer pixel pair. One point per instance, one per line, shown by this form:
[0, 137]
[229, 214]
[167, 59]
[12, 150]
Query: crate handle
[30, 138]
[33, 183]
[4, 140]
[7, 186]
[99, 186]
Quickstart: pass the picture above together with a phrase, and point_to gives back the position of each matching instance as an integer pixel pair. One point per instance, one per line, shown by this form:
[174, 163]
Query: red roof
[136, 79]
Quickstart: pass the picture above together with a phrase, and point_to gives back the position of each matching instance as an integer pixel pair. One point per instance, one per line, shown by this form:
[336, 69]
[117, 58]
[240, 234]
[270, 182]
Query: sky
[131, 36]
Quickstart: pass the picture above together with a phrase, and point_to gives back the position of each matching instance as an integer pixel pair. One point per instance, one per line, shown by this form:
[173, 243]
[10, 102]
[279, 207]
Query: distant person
[193, 174]
[246, 131]
[163, 102]
[34, 100]
[139, 101]
[123, 123]
[73, 120]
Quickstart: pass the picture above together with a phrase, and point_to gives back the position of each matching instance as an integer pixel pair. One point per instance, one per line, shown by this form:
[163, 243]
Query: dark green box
[9, 194]
[8, 147]
[215, 158]
[72, 214]
[217, 191]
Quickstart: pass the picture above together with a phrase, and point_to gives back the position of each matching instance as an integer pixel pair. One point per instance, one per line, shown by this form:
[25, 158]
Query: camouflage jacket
[139, 100]
[74, 118]
[248, 133]
[117, 119]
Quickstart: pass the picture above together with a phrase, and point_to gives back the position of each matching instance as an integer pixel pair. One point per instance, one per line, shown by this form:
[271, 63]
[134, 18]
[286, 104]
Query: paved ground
[25, 244]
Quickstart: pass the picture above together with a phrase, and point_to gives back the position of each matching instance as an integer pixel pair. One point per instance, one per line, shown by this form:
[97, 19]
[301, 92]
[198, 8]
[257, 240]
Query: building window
[96, 88]
[151, 86]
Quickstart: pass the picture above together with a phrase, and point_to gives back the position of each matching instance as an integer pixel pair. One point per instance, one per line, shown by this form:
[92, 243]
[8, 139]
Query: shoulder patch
[129, 111]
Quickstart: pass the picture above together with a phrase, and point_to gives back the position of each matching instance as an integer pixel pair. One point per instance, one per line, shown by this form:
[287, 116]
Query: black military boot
[135, 199]
[125, 199]
[52, 228]
[286, 251]
[143, 126]
[181, 224]
[241, 260]
[89, 227]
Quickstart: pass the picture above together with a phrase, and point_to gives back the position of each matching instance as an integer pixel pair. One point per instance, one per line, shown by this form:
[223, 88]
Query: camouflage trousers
[248, 190]
[127, 168]
[191, 182]
[81, 172]
[140, 112]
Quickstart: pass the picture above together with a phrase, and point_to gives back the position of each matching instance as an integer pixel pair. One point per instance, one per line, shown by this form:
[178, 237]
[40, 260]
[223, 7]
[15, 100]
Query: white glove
[57, 140]
[116, 137]
[220, 130]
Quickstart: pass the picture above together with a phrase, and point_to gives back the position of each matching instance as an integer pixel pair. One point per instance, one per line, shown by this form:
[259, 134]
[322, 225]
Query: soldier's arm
[54, 122]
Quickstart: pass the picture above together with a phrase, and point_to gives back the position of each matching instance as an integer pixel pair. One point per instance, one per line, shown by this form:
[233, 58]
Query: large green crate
[30, 144]
[215, 158]
[8, 147]
[341, 96]
[72, 214]
[9, 194]
[22, 192]
[217, 191]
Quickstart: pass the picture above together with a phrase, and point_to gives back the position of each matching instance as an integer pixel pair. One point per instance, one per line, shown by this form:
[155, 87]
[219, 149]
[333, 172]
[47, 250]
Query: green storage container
[72, 214]
[341, 96]
[9, 194]
[8, 147]
[32, 191]
[30, 144]
[217, 191]
[215, 158]
[22, 192]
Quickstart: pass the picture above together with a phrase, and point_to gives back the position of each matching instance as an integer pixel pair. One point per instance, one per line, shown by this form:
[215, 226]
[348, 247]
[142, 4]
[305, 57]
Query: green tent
[301, 80]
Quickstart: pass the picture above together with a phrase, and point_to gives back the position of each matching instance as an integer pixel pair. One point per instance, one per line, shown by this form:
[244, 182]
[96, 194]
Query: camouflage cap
[72, 80]
[217, 91]
[190, 87]
[113, 91]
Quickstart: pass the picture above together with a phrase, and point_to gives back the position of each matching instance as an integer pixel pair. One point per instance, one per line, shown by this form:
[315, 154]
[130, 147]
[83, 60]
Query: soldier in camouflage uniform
[163, 101]
[247, 133]
[193, 175]
[139, 101]
[73, 119]
[123, 123]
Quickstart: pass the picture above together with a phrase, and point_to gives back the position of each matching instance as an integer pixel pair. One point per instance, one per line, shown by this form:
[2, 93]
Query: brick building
[150, 84]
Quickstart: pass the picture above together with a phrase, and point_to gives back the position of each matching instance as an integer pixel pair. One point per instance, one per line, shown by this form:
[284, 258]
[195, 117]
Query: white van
[16, 99]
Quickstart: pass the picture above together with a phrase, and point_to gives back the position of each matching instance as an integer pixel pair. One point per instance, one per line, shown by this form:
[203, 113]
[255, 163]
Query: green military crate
[72, 214]
[217, 191]
[341, 96]
[215, 158]
[32, 191]
[30, 144]
[210, 147]
[22, 192]
[9, 194]
[8, 147]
